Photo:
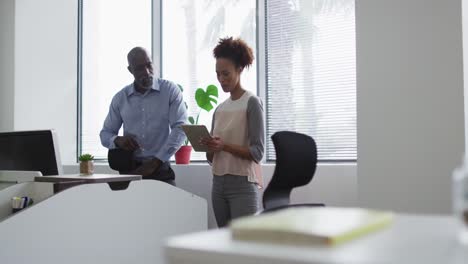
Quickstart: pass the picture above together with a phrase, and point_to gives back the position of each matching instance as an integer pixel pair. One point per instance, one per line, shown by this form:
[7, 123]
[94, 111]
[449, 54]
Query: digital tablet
[194, 134]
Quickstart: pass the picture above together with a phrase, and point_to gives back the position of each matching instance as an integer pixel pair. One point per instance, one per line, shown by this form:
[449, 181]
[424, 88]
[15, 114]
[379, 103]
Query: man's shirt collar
[131, 88]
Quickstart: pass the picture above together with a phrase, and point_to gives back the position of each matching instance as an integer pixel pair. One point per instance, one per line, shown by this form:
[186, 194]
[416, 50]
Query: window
[311, 73]
[109, 29]
[190, 31]
[307, 60]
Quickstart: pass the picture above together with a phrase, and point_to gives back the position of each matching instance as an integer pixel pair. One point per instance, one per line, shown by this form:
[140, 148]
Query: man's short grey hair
[136, 51]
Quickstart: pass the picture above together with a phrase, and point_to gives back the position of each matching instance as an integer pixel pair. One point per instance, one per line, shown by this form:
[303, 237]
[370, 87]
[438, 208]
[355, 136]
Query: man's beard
[146, 82]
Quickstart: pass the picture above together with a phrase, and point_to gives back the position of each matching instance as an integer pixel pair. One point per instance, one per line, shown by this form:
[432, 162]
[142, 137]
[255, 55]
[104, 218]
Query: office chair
[296, 162]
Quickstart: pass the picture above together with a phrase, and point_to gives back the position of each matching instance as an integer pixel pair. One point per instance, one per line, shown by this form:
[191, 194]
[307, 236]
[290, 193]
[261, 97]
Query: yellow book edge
[385, 221]
[304, 239]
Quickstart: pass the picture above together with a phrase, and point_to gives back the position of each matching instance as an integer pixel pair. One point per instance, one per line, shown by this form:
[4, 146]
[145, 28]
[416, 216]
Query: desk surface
[88, 178]
[411, 239]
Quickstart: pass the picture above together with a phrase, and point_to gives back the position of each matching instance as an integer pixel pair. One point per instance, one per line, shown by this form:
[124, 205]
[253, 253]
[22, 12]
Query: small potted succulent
[86, 163]
[206, 100]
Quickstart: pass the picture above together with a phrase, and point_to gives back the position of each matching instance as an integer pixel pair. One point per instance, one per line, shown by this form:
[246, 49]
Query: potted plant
[206, 100]
[86, 164]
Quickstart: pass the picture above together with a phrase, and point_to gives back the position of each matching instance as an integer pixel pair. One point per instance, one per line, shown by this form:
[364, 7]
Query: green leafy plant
[206, 99]
[86, 157]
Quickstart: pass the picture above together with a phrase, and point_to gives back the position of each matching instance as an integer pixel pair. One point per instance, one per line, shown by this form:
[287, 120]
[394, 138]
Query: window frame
[79, 84]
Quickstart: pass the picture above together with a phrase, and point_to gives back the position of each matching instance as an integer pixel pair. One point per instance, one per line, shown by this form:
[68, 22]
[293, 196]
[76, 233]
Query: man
[151, 112]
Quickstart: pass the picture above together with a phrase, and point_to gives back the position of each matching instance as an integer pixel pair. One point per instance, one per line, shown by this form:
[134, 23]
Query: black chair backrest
[296, 162]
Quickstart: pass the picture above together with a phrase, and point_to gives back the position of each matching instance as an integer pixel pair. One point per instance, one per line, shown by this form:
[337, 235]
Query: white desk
[88, 178]
[90, 223]
[411, 239]
[62, 182]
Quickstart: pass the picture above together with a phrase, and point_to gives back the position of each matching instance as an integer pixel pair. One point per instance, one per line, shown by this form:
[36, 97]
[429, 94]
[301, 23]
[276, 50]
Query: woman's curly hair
[235, 50]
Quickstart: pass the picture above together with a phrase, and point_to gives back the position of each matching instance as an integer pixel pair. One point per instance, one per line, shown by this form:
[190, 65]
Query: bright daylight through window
[191, 29]
[309, 79]
[110, 29]
[311, 73]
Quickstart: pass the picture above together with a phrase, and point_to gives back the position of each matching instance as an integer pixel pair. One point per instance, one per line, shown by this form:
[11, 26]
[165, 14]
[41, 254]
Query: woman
[237, 145]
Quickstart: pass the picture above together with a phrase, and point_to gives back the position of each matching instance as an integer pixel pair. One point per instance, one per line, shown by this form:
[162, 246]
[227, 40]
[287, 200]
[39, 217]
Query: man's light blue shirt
[153, 118]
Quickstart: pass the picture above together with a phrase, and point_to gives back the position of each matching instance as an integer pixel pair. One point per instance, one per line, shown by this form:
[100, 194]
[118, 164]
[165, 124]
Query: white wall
[7, 42]
[409, 103]
[45, 69]
[333, 184]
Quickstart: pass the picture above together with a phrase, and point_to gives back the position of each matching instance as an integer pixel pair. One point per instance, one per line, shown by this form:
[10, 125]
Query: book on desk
[310, 225]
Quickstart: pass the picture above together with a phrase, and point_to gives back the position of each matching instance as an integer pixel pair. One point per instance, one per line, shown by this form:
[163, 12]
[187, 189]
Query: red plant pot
[182, 156]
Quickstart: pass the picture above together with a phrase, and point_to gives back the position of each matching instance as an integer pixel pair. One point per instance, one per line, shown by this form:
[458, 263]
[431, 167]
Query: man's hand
[148, 168]
[127, 143]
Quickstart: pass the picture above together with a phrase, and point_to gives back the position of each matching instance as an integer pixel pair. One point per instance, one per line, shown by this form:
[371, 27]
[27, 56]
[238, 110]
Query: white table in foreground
[411, 239]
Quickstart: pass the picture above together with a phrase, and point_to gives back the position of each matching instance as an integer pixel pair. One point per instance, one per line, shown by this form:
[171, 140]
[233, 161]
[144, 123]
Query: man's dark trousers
[123, 161]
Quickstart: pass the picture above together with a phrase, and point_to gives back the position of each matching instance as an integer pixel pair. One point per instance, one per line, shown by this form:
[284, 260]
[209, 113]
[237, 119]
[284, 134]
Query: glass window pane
[311, 73]
[110, 29]
[191, 29]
